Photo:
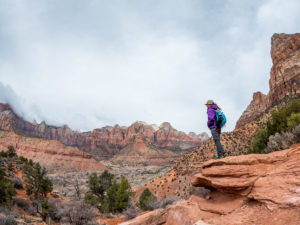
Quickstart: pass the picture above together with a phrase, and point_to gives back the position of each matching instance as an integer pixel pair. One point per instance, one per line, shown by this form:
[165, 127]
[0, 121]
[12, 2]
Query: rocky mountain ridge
[104, 142]
[50, 153]
[285, 76]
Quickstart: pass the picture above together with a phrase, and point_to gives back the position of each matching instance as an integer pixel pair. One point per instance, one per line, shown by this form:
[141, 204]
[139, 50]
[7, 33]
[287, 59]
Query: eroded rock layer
[50, 153]
[272, 178]
[104, 142]
[285, 76]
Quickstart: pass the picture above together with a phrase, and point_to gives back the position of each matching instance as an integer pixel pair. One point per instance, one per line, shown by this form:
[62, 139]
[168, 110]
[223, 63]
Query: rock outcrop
[258, 105]
[50, 153]
[183, 213]
[142, 152]
[285, 76]
[285, 72]
[248, 189]
[104, 142]
[272, 179]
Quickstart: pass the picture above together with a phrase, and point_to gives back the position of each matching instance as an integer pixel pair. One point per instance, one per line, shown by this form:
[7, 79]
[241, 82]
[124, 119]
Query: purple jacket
[211, 113]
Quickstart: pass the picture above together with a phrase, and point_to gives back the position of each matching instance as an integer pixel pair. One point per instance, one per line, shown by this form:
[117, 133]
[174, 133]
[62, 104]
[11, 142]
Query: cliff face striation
[50, 153]
[285, 76]
[258, 105]
[104, 142]
[142, 152]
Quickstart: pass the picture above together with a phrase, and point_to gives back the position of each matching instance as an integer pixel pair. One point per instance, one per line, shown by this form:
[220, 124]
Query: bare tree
[81, 214]
[77, 189]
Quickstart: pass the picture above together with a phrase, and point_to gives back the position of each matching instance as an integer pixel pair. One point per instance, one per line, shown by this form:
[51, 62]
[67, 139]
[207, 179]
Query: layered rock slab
[183, 213]
[273, 179]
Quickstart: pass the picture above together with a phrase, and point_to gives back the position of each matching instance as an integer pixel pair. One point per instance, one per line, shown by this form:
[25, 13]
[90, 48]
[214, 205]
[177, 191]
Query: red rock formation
[248, 189]
[142, 152]
[258, 105]
[272, 179]
[285, 72]
[183, 213]
[50, 153]
[104, 142]
[285, 76]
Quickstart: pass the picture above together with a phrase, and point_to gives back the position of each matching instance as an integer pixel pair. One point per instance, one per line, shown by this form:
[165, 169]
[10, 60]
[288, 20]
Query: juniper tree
[37, 184]
[106, 193]
[7, 189]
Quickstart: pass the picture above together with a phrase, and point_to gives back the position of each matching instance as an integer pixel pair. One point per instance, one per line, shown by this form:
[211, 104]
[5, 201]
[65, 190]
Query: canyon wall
[104, 142]
[50, 153]
[285, 76]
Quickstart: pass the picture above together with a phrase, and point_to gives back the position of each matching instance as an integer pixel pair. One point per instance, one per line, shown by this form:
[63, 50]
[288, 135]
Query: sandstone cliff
[142, 152]
[258, 105]
[285, 76]
[104, 142]
[50, 153]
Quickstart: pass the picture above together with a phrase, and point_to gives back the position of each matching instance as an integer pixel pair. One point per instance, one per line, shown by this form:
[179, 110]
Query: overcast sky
[92, 63]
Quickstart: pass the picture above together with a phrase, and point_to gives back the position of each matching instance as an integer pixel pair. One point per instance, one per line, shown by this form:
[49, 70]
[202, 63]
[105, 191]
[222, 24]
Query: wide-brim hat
[209, 102]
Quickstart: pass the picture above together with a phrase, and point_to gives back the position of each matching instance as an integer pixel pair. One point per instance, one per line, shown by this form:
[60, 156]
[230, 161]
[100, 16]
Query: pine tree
[45, 209]
[107, 193]
[145, 198]
[7, 189]
[11, 152]
[123, 194]
[37, 184]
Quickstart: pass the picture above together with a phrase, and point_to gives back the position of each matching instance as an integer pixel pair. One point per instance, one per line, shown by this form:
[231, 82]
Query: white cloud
[279, 16]
[91, 64]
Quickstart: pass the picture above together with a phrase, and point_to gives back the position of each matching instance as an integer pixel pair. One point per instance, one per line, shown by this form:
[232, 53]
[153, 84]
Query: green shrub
[280, 141]
[45, 209]
[7, 189]
[293, 120]
[37, 183]
[91, 199]
[260, 141]
[3, 154]
[11, 152]
[105, 192]
[145, 198]
[282, 120]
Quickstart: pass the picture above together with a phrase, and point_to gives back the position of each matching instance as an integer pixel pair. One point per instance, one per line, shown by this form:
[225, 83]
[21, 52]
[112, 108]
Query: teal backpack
[221, 118]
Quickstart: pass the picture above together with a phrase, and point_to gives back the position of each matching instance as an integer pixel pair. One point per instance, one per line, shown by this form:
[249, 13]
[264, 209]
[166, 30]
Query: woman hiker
[212, 125]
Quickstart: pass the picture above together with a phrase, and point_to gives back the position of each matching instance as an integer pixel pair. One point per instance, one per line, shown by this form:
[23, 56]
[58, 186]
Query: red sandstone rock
[50, 153]
[285, 72]
[142, 152]
[285, 76]
[183, 213]
[258, 105]
[272, 178]
[104, 142]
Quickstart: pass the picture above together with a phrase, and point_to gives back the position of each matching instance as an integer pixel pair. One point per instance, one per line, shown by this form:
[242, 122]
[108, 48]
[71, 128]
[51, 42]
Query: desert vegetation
[280, 131]
[19, 175]
[106, 194]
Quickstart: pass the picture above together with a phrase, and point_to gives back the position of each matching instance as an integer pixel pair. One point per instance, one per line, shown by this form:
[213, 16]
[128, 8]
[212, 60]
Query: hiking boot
[216, 157]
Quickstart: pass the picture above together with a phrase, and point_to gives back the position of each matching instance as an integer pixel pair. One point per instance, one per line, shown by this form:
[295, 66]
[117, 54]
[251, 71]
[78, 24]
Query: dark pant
[216, 136]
